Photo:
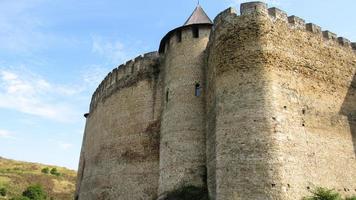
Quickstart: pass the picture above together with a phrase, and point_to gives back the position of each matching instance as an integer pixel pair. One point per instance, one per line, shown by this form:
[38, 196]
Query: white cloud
[6, 134]
[113, 50]
[29, 93]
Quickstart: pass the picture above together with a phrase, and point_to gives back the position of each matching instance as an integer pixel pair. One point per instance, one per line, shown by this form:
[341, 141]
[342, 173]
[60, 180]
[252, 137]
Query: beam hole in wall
[285, 107]
[179, 36]
[288, 185]
[303, 111]
[167, 95]
[303, 125]
[198, 90]
[308, 188]
[273, 185]
[195, 30]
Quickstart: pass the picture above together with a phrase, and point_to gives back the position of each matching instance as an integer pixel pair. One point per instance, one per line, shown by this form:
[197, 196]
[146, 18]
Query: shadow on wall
[349, 109]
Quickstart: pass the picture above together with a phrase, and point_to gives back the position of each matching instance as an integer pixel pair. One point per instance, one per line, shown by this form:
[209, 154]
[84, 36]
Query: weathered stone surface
[119, 158]
[182, 152]
[275, 118]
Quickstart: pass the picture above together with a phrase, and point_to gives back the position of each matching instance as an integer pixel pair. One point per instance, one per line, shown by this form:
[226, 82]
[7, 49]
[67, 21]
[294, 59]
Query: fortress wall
[121, 146]
[241, 150]
[81, 167]
[314, 104]
[281, 107]
[182, 143]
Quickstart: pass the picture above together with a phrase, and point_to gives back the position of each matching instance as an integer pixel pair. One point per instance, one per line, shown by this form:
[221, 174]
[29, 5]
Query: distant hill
[16, 176]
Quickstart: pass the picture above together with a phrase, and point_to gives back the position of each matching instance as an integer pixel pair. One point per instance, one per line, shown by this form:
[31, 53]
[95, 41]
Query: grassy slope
[15, 176]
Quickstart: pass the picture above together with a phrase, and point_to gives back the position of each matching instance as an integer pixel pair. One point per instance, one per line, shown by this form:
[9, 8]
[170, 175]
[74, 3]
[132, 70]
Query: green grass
[16, 176]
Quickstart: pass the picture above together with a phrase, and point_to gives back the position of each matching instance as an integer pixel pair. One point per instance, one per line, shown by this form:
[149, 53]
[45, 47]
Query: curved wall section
[121, 145]
[182, 146]
[241, 155]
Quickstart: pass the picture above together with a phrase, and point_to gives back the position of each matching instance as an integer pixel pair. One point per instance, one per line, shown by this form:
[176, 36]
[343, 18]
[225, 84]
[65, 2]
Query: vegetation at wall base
[320, 193]
[188, 193]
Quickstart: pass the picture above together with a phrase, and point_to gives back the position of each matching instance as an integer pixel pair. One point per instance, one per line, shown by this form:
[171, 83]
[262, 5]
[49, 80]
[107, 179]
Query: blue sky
[53, 54]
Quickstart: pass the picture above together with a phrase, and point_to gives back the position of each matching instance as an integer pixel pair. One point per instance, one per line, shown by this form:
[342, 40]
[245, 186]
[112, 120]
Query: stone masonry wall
[314, 104]
[121, 145]
[281, 107]
[241, 152]
[276, 116]
[182, 144]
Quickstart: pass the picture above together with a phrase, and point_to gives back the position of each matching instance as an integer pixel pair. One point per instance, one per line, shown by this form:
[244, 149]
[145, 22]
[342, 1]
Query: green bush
[35, 192]
[3, 192]
[54, 172]
[188, 193]
[45, 170]
[323, 194]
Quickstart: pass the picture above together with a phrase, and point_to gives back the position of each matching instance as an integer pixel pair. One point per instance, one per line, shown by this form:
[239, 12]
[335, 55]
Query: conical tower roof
[198, 17]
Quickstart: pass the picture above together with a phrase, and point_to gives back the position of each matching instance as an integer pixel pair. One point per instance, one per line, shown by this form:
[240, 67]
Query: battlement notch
[329, 35]
[313, 28]
[353, 45]
[296, 22]
[253, 7]
[344, 42]
[278, 14]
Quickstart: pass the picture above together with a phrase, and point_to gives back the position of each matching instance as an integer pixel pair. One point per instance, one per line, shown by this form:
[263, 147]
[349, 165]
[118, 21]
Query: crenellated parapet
[293, 21]
[125, 75]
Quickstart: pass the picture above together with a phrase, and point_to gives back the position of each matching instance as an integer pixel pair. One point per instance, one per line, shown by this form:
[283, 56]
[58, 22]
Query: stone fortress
[256, 106]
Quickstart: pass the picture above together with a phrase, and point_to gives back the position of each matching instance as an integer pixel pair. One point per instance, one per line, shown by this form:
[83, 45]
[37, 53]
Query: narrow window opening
[179, 36]
[167, 95]
[195, 32]
[198, 90]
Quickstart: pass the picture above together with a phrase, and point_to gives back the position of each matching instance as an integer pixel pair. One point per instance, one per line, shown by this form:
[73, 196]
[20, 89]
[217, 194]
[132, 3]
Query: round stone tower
[182, 145]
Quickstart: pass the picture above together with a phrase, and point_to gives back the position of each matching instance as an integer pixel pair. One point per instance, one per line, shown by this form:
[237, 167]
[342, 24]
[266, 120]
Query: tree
[35, 192]
[55, 172]
[45, 170]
